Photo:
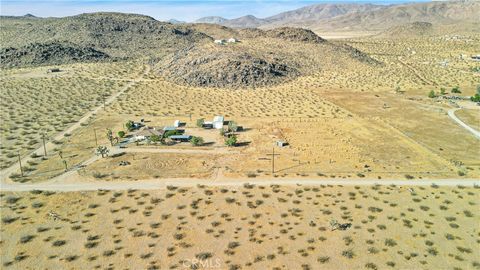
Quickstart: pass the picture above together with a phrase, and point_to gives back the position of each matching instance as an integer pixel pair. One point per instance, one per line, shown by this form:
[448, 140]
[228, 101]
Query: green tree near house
[129, 125]
[196, 141]
[431, 94]
[232, 141]
[442, 91]
[232, 126]
[456, 90]
[200, 122]
[121, 134]
[171, 133]
[155, 138]
[476, 97]
[222, 132]
[110, 136]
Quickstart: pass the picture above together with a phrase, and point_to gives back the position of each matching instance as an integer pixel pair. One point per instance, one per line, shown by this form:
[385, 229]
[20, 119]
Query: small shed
[218, 122]
[176, 123]
[169, 128]
[207, 125]
[219, 41]
[281, 143]
[232, 40]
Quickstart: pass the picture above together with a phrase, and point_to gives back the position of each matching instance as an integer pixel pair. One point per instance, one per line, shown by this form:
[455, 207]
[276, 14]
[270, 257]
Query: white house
[219, 41]
[232, 40]
[218, 122]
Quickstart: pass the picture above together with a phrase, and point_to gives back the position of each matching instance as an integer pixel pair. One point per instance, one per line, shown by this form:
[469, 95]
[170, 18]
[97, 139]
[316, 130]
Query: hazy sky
[187, 10]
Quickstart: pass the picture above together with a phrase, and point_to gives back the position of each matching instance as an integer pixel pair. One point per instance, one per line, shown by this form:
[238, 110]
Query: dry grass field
[417, 65]
[469, 116]
[245, 227]
[35, 102]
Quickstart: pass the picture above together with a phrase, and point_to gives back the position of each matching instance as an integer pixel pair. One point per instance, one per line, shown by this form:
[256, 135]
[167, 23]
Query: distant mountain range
[346, 17]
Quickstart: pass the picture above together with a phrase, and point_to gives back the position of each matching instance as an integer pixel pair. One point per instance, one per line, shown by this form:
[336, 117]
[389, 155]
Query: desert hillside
[365, 17]
[256, 58]
[119, 35]
[52, 53]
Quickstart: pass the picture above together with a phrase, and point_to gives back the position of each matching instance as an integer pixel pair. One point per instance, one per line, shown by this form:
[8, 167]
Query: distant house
[148, 132]
[219, 41]
[232, 40]
[176, 123]
[218, 122]
[476, 57]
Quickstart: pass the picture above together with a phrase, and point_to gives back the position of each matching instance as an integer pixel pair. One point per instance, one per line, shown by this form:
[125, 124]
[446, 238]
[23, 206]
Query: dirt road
[190, 182]
[5, 173]
[451, 114]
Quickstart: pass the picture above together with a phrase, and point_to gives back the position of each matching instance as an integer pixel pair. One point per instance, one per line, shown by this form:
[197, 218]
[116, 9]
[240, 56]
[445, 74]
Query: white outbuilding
[218, 122]
[232, 40]
[219, 41]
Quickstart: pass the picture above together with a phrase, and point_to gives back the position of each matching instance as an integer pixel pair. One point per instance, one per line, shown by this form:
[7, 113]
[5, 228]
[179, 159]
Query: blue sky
[187, 10]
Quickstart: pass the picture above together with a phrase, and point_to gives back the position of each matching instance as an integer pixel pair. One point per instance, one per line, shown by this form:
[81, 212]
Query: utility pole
[273, 159]
[20, 162]
[95, 132]
[44, 147]
[65, 163]
[104, 105]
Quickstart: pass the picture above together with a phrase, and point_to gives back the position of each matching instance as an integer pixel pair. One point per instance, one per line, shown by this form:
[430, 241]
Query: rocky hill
[260, 58]
[227, 69]
[184, 53]
[119, 35]
[52, 53]
[294, 34]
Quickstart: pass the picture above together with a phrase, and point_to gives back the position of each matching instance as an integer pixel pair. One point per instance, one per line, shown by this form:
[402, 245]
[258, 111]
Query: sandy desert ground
[246, 227]
[361, 124]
